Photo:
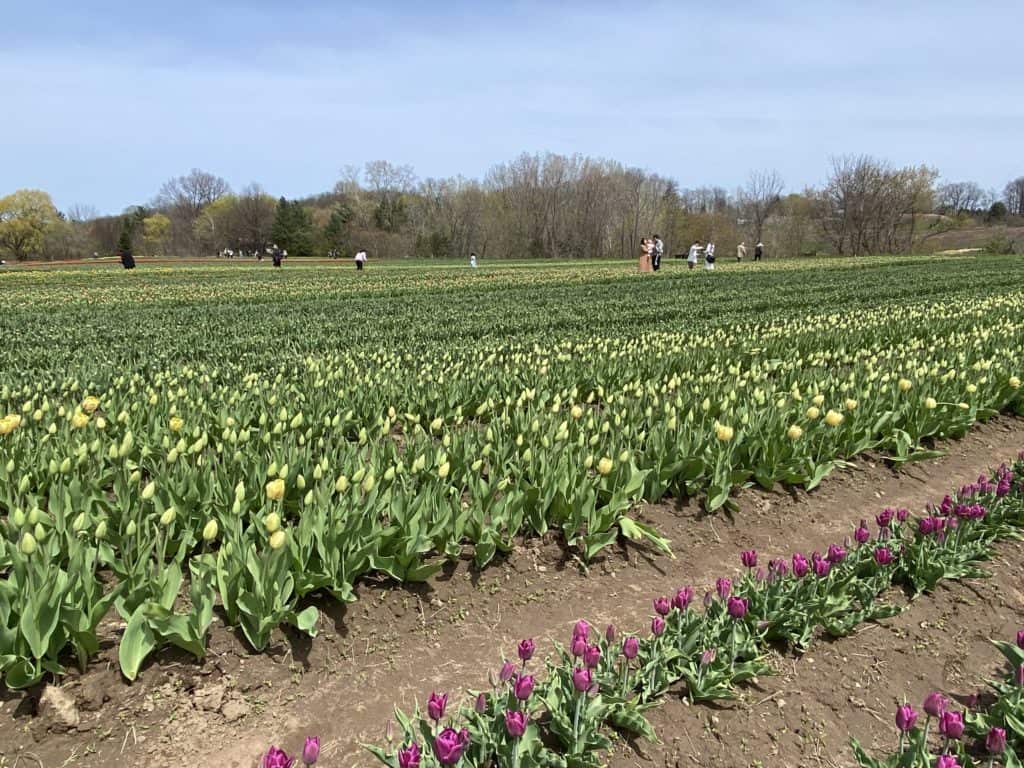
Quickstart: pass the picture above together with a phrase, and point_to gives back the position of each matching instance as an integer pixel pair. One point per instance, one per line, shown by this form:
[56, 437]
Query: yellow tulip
[833, 418]
[723, 433]
[275, 489]
[930, 404]
[210, 531]
[605, 466]
[794, 432]
[813, 413]
[277, 540]
[176, 423]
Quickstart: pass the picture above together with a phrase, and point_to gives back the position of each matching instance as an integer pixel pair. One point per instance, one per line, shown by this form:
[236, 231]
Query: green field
[146, 417]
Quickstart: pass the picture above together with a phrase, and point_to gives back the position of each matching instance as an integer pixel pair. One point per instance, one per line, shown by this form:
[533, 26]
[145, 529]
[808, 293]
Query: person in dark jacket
[758, 251]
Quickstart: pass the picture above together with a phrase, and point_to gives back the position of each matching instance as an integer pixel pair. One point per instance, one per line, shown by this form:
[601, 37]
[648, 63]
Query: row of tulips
[559, 713]
[996, 729]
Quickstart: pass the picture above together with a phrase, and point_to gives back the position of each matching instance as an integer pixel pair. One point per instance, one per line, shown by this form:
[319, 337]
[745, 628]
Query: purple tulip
[515, 723]
[883, 556]
[592, 656]
[708, 657]
[906, 718]
[523, 687]
[277, 758]
[738, 607]
[657, 626]
[682, 598]
[947, 761]
[778, 567]
[749, 558]
[934, 704]
[311, 750]
[449, 745]
[902, 514]
[799, 565]
[526, 649]
[1020, 638]
[821, 568]
[409, 757]
[581, 679]
[581, 629]
[609, 634]
[630, 647]
[836, 554]
[926, 526]
[480, 705]
[724, 587]
[861, 534]
[884, 519]
[579, 646]
[995, 741]
[662, 606]
[508, 669]
[1019, 677]
[436, 706]
[760, 575]
[951, 724]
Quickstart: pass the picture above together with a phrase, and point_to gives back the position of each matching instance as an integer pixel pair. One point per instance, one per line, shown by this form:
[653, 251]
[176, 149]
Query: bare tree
[1013, 196]
[183, 198]
[957, 197]
[760, 198]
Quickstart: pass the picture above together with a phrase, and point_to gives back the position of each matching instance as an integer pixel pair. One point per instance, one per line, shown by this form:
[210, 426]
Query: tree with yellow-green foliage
[156, 229]
[25, 218]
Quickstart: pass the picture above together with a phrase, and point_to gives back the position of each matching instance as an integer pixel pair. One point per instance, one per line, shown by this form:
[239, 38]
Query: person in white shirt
[709, 255]
[741, 251]
[691, 259]
[360, 259]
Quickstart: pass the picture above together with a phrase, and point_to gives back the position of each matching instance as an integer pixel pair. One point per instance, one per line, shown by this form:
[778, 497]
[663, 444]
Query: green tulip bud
[132, 528]
[27, 544]
[148, 491]
[168, 516]
[210, 531]
[101, 530]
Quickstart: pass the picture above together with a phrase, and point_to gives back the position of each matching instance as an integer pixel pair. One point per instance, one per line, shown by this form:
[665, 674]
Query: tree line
[537, 206]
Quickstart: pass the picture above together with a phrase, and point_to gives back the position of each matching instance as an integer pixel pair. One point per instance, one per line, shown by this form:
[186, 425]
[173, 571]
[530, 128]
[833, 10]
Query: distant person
[646, 249]
[657, 252]
[693, 255]
[741, 251]
[127, 260]
[276, 256]
[472, 260]
[709, 256]
[360, 260]
[758, 251]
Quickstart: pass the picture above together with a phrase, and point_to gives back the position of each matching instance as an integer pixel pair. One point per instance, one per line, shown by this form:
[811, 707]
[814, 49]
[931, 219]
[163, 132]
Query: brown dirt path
[398, 643]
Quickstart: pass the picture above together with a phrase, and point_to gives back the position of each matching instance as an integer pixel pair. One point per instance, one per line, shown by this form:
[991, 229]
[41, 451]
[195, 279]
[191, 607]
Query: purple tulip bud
[277, 758]
[579, 646]
[902, 514]
[515, 723]
[708, 657]
[581, 679]
[738, 607]
[523, 687]
[799, 565]
[947, 761]
[508, 669]
[436, 706]
[592, 656]
[884, 519]
[1020, 638]
[760, 576]
[995, 741]
[449, 745]
[972, 701]
[821, 568]
[311, 750]
[682, 599]
[926, 526]
[951, 724]
[724, 588]
[630, 647]
[480, 705]
[934, 704]
[409, 757]
[662, 606]
[526, 649]
[883, 556]
[657, 626]
[581, 629]
[609, 634]
[836, 554]
[906, 718]
[861, 534]
[1019, 677]
[749, 558]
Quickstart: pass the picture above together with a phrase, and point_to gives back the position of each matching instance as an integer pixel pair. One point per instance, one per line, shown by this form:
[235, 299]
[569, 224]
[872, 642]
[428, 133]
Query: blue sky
[108, 101]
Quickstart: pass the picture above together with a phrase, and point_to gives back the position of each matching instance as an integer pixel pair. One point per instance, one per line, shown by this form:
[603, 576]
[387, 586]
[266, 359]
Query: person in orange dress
[646, 248]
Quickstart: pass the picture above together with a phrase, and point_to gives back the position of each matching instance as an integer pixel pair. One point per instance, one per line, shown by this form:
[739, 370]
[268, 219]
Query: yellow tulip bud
[277, 540]
[148, 491]
[27, 544]
[272, 522]
[210, 531]
[605, 466]
[341, 484]
[930, 404]
[813, 413]
[168, 516]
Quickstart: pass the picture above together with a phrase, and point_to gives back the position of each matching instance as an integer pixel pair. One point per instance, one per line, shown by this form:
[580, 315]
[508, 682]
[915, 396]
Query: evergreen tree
[124, 240]
[293, 228]
[336, 234]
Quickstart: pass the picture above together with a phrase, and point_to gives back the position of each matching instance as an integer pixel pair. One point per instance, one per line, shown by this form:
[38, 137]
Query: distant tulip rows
[559, 713]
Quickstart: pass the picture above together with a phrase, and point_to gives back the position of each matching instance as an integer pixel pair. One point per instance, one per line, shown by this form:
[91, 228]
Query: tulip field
[237, 441]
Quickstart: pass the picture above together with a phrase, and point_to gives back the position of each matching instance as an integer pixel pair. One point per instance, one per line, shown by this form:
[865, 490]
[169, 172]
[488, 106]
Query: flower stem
[576, 723]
